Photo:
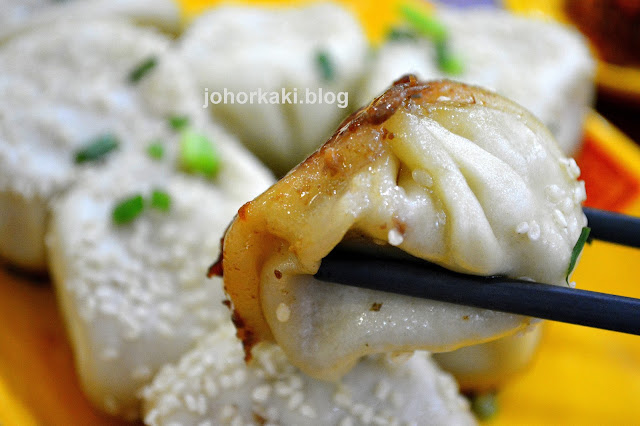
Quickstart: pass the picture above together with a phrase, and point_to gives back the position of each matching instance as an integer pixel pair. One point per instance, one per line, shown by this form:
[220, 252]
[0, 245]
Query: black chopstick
[613, 227]
[426, 280]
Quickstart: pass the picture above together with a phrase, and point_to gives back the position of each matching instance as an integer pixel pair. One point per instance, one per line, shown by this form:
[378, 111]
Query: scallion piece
[325, 65]
[143, 69]
[447, 62]
[577, 249]
[484, 406]
[178, 122]
[96, 148]
[198, 154]
[401, 34]
[128, 209]
[160, 200]
[423, 21]
[156, 150]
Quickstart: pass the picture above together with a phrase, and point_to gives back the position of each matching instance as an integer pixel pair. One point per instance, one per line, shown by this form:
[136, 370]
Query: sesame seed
[559, 218]
[522, 228]
[358, 409]
[272, 413]
[421, 177]
[283, 313]
[394, 237]
[151, 417]
[566, 205]
[295, 400]
[239, 377]
[227, 412]
[261, 393]
[178, 386]
[534, 231]
[347, 421]
[573, 169]
[367, 415]
[342, 397]
[210, 387]
[579, 193]
[267, 365]
[226, 381]
[195, 371]
[191, 403]
[382, 390]
[553, 193]
[295, 381]
[283, 389]
[308, 411]
[202, 405]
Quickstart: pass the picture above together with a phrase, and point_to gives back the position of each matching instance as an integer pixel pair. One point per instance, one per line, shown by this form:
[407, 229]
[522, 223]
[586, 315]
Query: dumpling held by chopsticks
[443, 171]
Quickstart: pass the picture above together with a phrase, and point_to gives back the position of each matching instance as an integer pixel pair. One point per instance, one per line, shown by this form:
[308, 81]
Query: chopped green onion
[127, 210]
[398, 34]
[96, 148]
[198, 155]
[446, 61]
[423, 21]
[178, 122]
[141, 70]
[325, 65]
[156, 150]
[577, 249]
[484, 406]
[160, 200]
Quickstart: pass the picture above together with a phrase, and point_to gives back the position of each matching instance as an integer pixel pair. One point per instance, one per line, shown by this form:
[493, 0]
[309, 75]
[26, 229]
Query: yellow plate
[618, 80]
[581, 376]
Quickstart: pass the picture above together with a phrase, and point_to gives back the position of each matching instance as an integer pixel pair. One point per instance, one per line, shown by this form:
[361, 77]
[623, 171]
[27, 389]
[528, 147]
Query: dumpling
[212, 385]
[135, 296]
[65, 86]
[262, 67]
[489, 366]
[18, 16]
[543, 66]
[443, 171]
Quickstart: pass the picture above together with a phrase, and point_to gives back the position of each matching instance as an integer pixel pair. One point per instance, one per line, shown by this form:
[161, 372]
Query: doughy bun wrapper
[445, 172]
[211, 384]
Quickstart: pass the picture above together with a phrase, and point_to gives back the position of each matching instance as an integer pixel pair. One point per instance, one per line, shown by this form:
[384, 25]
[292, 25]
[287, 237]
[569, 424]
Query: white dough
[135, 296]
[244, 49]
[213, 385]
[62, 86]
[19, 16]
[543, 66]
